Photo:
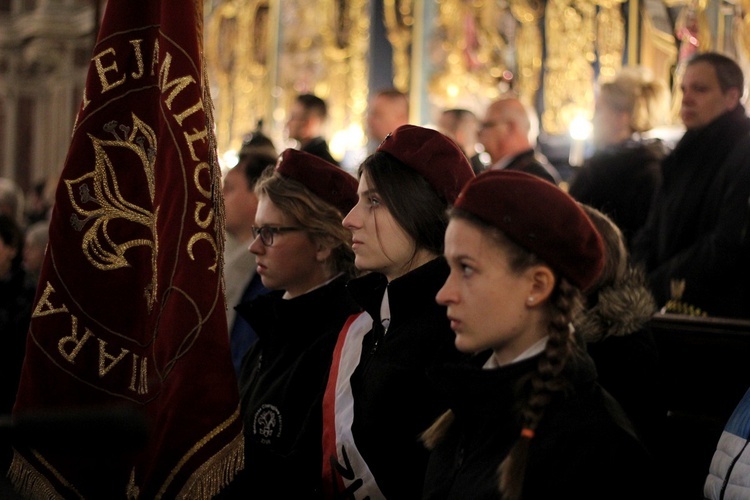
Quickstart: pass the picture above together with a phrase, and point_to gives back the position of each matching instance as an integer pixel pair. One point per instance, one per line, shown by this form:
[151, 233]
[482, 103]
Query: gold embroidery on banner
[70, 346]
[132, 492]
[99, 248]
[203, 236]
[237, 444]
[73, 337]
[44, 307]
[104, 356]
[138, 58]
[103, 70]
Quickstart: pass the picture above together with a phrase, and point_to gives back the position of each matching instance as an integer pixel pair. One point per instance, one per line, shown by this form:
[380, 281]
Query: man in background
[462, 126]
[692, 243]
[306, 122]
[241, 281]
[506, 135]
[388, 109]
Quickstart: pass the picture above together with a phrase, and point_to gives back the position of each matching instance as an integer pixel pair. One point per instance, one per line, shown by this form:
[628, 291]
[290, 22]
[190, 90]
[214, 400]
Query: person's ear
[732, 98]
[324, 250]
[542, 282]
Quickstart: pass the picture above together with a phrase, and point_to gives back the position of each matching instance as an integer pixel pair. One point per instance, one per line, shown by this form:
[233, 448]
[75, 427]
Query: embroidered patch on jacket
[267, 423]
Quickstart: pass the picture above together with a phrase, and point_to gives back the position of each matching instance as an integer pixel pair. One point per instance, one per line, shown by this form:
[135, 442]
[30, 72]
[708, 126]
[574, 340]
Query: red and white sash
[345, 472]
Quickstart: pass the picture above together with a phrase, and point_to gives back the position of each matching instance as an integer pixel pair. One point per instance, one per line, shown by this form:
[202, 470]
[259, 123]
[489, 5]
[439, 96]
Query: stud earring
[530, 300]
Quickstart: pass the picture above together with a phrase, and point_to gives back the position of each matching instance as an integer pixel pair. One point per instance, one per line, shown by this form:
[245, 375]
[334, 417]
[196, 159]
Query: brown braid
[565, 304]
[435, 433]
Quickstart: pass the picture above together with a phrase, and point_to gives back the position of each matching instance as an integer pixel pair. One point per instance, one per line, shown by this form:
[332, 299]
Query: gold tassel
[217, 472]
[28, 482]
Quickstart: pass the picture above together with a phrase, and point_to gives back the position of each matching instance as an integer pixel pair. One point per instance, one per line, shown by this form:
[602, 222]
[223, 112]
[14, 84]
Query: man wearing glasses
[506, 135]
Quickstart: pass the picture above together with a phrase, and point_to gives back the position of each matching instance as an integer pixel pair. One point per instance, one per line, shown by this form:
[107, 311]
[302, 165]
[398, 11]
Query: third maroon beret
[539, 217]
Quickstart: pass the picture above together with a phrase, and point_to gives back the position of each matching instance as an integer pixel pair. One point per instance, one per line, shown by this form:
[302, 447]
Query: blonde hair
[636, 92]
[321, 220]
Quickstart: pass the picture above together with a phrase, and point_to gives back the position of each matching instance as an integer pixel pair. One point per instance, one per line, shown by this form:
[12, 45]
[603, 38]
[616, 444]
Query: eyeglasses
[487, 124]
[267, 233]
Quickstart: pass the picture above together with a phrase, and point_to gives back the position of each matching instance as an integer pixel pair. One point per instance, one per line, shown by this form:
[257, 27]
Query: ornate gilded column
[569, 75]
[399, 21]
[237, 51]
[610, 37]
[528, 44]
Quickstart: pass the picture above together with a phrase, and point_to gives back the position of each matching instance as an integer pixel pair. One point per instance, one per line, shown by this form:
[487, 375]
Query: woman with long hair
[530, 421]
[378, 398]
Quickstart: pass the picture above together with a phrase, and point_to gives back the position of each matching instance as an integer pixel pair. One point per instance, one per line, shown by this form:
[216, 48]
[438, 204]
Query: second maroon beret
[433, 155]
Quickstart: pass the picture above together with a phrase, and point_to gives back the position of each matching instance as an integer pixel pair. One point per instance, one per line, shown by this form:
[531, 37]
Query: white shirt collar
[533, 350]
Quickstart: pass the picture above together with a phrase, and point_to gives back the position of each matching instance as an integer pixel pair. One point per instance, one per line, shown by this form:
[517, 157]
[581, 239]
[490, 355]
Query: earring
[530, 300]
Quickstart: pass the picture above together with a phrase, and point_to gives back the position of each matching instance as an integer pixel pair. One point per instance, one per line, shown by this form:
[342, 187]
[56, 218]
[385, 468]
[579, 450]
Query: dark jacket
[621, 181]
[16, 300]
[319, 148]
[534, 163]
[694, 230]
[616, 330]
[393, 398]
[282, 382]
[583, 448]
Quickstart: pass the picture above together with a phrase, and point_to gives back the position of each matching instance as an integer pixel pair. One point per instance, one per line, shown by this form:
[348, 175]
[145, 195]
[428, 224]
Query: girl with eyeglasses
[304, 256]
[378, 397]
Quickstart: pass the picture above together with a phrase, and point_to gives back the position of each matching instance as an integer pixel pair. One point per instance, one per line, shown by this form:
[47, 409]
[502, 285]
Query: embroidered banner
[346, 475]
[130, 310]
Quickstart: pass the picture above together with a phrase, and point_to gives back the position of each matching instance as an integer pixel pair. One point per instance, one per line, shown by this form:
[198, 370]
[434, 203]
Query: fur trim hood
[620, 309]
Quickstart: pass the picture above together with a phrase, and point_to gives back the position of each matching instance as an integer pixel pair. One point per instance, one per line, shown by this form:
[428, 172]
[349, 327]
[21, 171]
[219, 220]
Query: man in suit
[506, 135]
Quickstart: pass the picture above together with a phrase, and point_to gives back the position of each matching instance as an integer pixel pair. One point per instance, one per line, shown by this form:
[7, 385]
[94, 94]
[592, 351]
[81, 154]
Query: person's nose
[446, 294]
[256, 246]
[352, 221]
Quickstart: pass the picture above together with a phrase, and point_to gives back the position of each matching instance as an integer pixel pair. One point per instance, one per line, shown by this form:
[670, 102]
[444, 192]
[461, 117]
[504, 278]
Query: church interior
[443, 53]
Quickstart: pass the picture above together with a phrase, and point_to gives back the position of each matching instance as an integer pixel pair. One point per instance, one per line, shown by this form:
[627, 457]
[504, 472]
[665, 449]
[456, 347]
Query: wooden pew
[706, 371]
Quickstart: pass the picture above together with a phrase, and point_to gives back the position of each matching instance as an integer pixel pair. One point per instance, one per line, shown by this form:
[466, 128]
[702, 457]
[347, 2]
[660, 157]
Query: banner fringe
[28, 482]
[217, 472]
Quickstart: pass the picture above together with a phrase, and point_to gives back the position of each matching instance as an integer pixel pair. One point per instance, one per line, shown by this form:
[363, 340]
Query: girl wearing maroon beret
[304, 257]
[528, 419]
[379, 398]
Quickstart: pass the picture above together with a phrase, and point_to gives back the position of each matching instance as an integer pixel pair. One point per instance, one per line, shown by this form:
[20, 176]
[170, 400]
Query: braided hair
[565, 303]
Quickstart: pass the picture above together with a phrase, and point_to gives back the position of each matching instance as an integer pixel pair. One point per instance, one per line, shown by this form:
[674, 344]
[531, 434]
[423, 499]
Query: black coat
[534, 163]
[621, 181]
[695, 229]
[583, 448]
[319, 148]
[616, 330]
[16, 299]
[282, 382]
[393, 398]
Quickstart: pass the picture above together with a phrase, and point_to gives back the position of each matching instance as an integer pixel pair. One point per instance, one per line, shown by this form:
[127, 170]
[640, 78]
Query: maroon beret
[433, 155]
[539, 217]
[331, 183]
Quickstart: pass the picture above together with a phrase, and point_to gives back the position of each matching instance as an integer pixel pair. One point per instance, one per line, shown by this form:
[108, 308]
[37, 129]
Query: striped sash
[345, 472]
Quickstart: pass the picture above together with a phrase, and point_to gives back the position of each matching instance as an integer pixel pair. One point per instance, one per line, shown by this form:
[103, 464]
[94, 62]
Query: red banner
[129, 326]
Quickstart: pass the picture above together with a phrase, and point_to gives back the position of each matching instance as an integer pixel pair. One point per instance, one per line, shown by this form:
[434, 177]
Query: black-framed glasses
[267, 233]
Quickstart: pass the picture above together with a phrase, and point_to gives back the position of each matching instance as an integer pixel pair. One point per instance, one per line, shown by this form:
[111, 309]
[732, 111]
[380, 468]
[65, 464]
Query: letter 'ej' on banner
[129, 331]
